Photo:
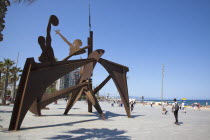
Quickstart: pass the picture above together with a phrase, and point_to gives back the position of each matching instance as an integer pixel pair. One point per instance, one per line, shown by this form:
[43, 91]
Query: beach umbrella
[184, 99]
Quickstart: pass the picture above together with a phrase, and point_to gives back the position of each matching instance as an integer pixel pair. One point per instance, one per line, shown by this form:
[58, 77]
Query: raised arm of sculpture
[45, 44]
[74, 48]
[54, 21]
[64, 39]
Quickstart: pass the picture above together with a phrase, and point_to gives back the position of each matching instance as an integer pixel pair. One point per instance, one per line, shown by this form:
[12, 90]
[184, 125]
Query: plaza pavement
[146, 124]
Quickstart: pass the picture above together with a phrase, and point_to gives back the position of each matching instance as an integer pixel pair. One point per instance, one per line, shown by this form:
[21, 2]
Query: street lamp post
[163, 70]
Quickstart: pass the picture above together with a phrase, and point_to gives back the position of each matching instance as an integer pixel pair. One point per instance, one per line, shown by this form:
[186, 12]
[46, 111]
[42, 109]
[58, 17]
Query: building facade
[68, 80]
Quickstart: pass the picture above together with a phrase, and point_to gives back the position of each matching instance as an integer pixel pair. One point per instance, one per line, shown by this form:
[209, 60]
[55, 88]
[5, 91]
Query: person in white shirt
[183, 107]
[164, 108]
[151, 103]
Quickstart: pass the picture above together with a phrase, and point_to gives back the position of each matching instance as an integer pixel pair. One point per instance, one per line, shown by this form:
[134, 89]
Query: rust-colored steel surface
[45, 43]
[118, 74]
[102, 84]
[34, 81]
[76, 53]
[90, 50]
[36, 77]
[88, 69]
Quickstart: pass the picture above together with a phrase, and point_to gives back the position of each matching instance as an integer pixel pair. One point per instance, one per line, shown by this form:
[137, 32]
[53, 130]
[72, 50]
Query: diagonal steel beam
[118, 74]
[34, 81]
[102, 84]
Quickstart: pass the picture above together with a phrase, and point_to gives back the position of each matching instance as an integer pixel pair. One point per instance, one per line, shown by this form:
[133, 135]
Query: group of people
[175, 107]
[119, 103]
[194, 105]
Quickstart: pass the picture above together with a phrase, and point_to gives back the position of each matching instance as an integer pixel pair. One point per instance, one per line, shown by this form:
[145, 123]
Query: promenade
[147, 123]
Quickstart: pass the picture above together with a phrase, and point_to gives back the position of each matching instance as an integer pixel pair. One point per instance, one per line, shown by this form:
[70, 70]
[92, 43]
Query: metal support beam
[102, 84]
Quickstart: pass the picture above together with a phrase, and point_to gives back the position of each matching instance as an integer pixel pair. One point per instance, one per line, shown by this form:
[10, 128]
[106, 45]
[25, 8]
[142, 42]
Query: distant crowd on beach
[175, 106]
[182, 106]
[119, 103]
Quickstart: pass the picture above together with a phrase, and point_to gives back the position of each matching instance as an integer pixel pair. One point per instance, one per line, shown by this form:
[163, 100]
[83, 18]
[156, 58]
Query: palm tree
[14, 78]
[1, 71]
[1, 68]
[7, 65]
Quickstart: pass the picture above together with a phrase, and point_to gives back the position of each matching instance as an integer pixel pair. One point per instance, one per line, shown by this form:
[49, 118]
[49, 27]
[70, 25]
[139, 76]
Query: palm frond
[25, 1]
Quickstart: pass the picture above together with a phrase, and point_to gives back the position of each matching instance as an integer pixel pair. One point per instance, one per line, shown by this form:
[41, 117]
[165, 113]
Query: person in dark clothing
[132, 106]
[175, 109]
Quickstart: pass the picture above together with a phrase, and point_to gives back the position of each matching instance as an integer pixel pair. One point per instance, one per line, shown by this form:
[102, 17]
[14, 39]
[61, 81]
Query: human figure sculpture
[75, 47]
[45, 44]
[37, 77]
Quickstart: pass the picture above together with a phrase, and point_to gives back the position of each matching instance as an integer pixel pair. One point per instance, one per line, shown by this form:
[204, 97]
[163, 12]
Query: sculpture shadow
[1, 111]
[7, 105]
[71, 108]
[109, 114]
[180, 123]
[57, 125]
[69, 115]
[104, 133]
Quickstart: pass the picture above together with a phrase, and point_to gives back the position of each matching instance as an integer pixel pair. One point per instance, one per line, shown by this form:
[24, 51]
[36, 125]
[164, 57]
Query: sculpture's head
[54, 20]
[41, 41]
[77, 42]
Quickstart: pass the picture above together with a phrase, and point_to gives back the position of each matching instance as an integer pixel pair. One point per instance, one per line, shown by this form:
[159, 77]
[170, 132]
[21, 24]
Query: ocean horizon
[188, 102]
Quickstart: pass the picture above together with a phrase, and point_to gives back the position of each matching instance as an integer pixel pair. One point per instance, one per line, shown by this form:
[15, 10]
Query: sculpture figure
[75, 47]
[36, 77]
[45, 44]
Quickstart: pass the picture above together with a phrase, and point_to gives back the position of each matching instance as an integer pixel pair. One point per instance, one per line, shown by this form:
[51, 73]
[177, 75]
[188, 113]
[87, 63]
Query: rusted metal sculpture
[36, 77]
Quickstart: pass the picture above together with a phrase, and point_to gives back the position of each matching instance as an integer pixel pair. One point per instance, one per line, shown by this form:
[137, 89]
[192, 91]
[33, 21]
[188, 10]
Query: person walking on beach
[198, 105]
[113, 104]
[164, 108]
[132, 106]
[193, 106]
[175, 109]
[183, 107]
[151, 104]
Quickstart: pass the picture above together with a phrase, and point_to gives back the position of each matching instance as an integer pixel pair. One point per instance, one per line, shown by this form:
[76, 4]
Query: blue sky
[140, 34]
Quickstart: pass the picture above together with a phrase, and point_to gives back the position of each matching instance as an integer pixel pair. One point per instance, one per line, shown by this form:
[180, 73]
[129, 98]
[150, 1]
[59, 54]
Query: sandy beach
[147, 123]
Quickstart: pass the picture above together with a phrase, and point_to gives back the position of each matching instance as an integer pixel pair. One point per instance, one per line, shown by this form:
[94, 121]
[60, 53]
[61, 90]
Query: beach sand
[146, 124]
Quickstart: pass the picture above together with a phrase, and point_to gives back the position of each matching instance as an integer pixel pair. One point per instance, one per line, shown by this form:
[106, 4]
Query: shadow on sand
[2, 111]
[180, 123]
[68, 115]
[104, 133]
[71, 108]
[57, 125]
[108, 115]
